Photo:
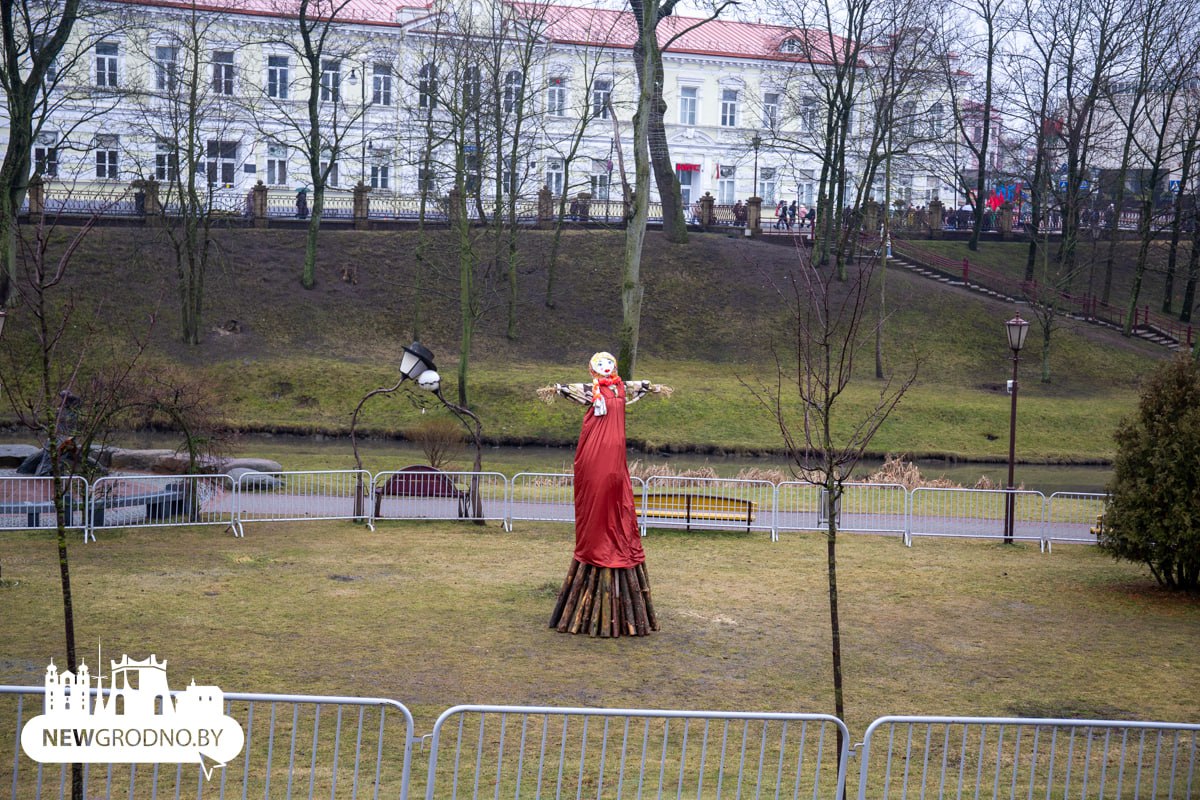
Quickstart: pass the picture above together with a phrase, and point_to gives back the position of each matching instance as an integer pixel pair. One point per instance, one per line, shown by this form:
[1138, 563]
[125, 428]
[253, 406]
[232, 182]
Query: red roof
[563, 24]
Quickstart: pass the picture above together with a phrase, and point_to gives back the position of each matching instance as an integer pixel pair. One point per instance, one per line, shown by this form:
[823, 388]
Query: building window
[808, 114]
[277, 171]
[381, 85]
[726, 184]
[766, 185]
[427, 87]
[514, 84]
[471, 178]
[556, 97]
[277, 77]
[45, 155]
[222, 72]
[770, 110]
[39, 43]
[684, 177]
[331, 80]
[221, 162]
[555, 176]
[689, 100]
[330, 170]
[166, 68]
[729, 108]
[426, 181]
[790, 46]
[908, 119]
[601, 178]
[471, 87]
[166, 160]
[106, 64]
[107, 162]
[379, 176]
[936, 112]
[601, 98]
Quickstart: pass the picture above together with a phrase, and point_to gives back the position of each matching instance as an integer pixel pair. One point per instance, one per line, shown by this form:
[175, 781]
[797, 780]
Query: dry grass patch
[434, 614]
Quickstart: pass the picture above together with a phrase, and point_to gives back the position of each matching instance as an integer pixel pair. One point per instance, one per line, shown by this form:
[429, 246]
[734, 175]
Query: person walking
[791, 214]
[780, 215]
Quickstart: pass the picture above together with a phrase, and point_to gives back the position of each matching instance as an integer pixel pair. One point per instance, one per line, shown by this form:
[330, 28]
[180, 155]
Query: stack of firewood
[605, 601]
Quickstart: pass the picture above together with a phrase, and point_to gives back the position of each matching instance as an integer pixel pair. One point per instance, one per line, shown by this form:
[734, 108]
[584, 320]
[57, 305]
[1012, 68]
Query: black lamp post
[3, 316]
[756, 143]
[1017, 329]
[362, 119]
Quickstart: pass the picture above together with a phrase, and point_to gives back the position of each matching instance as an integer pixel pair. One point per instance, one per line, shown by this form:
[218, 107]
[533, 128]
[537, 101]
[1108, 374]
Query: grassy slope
[302, 359]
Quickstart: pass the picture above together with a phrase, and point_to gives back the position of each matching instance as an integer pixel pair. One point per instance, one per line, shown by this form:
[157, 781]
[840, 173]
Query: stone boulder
[255, 464]
[254, 480]
[138, 460]
[11, 455]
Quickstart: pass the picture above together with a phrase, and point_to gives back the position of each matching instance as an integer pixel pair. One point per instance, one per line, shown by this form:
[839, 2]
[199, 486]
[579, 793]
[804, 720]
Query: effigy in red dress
[607, 589]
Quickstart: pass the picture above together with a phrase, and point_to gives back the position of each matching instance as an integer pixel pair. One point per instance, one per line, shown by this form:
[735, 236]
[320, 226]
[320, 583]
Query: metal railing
[662, 502]
[295, 746]
[924, 757]
[517, 751]
[975, 514]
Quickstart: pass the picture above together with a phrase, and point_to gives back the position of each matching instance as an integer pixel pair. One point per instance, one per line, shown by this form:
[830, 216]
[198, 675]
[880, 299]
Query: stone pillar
[707, 213]
[362, 206]
[545, 207]
[1005, 220]
[258, 205]
[585, 203]
[37, 196]
[871, 217]
[153, 204]
[456, 209]
[754, 216]
[936, 217]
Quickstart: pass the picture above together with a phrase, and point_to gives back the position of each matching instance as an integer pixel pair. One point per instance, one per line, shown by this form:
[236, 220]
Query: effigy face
[603, 365]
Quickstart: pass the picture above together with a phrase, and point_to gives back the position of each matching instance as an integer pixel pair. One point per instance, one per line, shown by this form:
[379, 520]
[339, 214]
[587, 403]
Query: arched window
[427, 87]
[935, 119]
[514, 84]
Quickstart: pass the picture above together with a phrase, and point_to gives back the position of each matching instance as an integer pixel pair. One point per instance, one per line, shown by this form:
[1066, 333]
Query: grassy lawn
[434, 614]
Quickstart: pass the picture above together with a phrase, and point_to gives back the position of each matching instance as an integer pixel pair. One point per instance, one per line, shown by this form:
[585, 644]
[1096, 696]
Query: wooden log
[582, 617]
[592, 625]
[606, 587]
[641, 621]
[627, 618]
[644, 579]
[577, 586]
[615, 622]
[563, 593]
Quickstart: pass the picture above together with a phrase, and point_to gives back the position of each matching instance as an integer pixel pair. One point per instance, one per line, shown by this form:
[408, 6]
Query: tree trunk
[674, 221]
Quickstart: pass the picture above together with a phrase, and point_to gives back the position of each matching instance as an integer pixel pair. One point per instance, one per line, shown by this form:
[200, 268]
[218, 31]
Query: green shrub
[1153, 514]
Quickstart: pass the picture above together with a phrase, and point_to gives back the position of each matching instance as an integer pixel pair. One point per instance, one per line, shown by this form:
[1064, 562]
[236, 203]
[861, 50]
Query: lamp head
[416, 359]
[430, 381]
[1017, 330]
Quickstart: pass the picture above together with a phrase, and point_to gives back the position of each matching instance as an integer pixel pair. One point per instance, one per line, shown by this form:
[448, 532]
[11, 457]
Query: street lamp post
[1016, 329]
[362, 119]
[756, 143]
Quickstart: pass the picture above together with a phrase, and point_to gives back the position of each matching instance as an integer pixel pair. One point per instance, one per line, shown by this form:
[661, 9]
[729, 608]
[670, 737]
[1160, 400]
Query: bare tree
[823, 440]
[44, 68]
[188, 110]
[323, 127]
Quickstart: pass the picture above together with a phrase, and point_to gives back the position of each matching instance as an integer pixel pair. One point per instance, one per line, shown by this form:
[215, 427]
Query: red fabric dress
[606, 525]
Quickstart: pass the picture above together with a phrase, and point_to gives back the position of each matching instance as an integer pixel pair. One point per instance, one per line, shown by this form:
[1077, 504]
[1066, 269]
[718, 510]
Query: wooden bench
[690, 507]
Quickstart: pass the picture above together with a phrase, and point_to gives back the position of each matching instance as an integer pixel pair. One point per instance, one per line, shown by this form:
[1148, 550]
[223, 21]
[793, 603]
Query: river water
[322, 452]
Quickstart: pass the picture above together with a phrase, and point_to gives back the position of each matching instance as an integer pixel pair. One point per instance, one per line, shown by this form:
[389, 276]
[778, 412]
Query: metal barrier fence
[662, 501]
[924, 757]
[28, 503]
[1071, 516]
[144, 501]
[707, 503]
[440, 495]
[294, 496]
[515, 751]
[295, 746]
[329, 746]
[975, 513]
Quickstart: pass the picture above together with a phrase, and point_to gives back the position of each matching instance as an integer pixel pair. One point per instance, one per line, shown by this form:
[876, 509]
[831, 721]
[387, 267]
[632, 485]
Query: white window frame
[108, 157]
[381, 84]
[427, 86]
[514, 85]
[277, 165]
[219, 163]
[223, 72]
[556, 97]
[380, 176]
[107, 65]
[166, 161]
[767, 185]
[729, 107]
[331, 80]
[45, 154]
[689, 105]
[556, 176]
[770, 109]
[602, 89]
[278, 77]
[166, 68]
[726, 184]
